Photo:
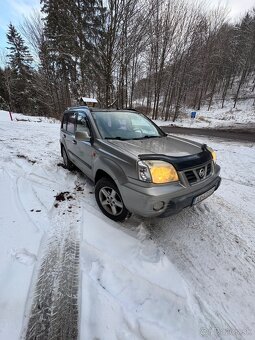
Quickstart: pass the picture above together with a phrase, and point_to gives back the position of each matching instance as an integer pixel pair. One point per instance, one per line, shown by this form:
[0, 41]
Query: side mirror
[82, 136]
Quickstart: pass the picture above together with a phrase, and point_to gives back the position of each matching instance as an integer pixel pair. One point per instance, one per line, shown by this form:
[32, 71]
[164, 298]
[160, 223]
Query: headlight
[157, 172]
[144, 172]
[213, 153]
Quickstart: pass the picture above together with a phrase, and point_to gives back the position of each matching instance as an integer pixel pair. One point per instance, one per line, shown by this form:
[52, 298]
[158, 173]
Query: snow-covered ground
[189, 276]
[228, 117]
[19, 117]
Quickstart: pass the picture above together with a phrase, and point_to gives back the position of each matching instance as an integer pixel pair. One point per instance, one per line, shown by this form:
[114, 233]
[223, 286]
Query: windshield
[124, 125]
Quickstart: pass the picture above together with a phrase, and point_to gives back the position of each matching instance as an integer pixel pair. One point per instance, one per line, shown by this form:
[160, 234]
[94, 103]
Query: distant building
[92, 102]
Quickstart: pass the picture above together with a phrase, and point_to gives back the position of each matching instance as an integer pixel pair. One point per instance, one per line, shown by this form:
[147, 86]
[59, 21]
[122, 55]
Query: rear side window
[71, 117]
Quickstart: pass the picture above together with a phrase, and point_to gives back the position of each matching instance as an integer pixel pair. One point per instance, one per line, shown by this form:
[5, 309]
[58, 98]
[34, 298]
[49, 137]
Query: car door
[83, 149]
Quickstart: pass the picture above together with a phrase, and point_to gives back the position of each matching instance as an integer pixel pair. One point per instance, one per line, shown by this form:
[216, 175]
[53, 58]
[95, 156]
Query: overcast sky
[236, 7]
[14, 10]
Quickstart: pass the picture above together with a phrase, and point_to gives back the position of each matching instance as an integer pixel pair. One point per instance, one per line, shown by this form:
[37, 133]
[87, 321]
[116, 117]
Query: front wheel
[110, 201]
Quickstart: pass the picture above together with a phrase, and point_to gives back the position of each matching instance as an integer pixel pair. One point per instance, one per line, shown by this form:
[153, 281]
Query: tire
[67, 163]
[110, 201]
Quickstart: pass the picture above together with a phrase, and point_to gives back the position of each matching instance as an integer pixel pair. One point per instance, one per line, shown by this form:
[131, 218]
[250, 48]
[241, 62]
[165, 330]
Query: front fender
[111, 167]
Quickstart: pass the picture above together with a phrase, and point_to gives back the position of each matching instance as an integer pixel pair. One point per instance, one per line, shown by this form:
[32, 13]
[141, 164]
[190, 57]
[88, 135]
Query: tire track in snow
[54, 313]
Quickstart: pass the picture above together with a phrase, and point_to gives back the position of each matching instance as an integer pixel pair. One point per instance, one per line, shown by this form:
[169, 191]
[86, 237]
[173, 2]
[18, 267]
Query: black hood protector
[181, 163]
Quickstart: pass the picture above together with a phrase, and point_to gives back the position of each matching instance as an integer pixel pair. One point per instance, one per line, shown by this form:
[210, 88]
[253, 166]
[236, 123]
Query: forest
[153, 55]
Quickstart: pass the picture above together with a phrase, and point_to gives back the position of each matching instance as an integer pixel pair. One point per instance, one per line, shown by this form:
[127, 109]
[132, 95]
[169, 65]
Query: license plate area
[203, 196]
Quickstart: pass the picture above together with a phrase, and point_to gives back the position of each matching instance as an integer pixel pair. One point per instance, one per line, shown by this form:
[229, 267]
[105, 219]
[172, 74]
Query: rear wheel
[110, 201]
[68, 164]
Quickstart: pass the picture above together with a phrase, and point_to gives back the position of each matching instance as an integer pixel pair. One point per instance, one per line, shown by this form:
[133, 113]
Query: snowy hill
[228, 117]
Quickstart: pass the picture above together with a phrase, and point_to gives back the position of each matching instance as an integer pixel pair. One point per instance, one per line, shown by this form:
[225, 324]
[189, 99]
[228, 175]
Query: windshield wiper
[118, 138]
[146, 137]
[135, 138]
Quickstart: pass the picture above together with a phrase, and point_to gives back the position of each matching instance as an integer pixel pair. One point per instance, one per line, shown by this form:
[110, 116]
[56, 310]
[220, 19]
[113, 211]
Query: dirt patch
[31, 161]
[25, 157]
[21, 156]
[79, 188]
[63, 196]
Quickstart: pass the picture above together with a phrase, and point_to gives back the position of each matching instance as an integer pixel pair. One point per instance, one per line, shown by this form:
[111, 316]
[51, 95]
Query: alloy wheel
[111, 201]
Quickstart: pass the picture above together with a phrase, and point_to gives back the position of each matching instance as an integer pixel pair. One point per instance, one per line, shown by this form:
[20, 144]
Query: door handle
[64, 135]
[74, 141]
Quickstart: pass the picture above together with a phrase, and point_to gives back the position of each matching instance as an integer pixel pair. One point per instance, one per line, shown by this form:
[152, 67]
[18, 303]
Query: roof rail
[78, 107]
[130, 109]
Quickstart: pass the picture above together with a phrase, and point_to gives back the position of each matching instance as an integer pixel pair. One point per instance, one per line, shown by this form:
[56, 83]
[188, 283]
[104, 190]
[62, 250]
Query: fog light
[158, 206]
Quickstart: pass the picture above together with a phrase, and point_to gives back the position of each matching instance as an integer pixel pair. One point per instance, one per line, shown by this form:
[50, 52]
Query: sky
[237, 7]
[15, 10]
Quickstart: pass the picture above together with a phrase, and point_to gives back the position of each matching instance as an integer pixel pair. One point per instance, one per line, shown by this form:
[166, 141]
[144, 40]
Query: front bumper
[176, 205]
[141, 200]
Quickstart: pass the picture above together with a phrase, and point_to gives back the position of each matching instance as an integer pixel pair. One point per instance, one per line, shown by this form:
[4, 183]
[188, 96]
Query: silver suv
[136, 167]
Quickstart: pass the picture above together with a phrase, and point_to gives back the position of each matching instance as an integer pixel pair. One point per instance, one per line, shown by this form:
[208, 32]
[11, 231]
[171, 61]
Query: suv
[135, 166]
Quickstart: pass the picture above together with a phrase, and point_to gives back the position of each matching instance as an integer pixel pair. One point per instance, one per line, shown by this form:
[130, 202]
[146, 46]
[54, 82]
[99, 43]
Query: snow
[137, 280]
[217, 117]
[89, 100]
[184, 277]
[5, 117]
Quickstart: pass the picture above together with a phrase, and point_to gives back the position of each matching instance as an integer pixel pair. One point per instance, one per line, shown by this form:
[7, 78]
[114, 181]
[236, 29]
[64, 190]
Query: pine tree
[3, 91]
[20, 62]
[72, 30]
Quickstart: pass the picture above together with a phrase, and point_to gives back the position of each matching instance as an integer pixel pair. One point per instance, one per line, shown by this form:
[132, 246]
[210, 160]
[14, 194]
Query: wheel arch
[100, 174]
[106, 167]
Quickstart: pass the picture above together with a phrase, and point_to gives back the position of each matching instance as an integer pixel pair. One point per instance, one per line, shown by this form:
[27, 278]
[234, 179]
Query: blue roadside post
[193, 114]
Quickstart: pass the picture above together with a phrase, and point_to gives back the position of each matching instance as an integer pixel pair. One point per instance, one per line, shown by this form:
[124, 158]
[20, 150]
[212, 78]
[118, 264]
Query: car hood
[169, 146]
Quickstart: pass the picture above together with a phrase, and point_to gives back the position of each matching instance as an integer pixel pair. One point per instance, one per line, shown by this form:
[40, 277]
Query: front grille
[198, 174]
[191, 177]
[209, 169]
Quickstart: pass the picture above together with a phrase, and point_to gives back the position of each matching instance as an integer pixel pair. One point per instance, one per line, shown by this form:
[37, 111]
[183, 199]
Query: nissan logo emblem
[201, 173]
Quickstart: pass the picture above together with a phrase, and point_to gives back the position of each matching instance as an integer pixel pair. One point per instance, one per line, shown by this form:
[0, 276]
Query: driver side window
[82, 123]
